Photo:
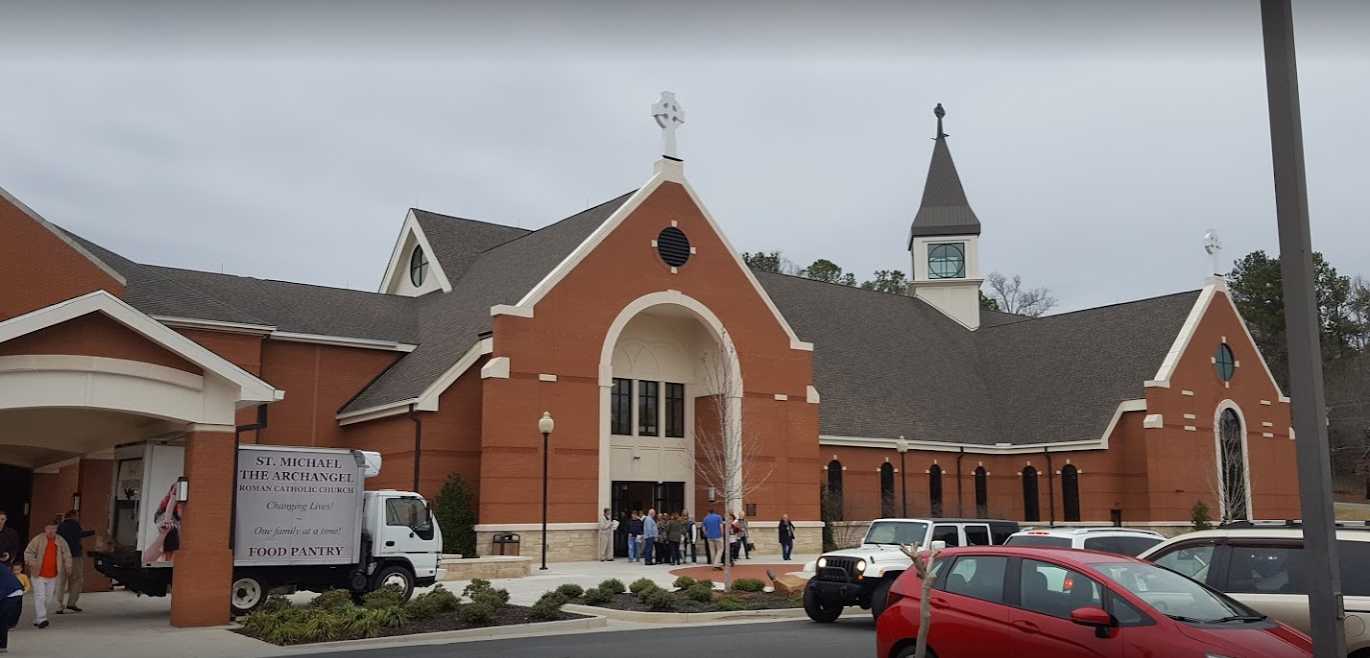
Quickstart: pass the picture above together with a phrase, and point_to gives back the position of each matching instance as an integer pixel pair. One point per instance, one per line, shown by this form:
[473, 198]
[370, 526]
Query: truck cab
[405, 541]
[862, 575]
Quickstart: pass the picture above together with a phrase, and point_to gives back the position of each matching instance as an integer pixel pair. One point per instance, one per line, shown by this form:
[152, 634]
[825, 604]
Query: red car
[1059, 603]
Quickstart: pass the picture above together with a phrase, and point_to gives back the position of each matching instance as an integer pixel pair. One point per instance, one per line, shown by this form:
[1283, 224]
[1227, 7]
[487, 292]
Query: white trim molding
[343, 341]
[428, 399]
[811, 395]
[215, 325]
[395, 268]
[1153, 422]
[52, 228]
[1246, 455]
[495, 368]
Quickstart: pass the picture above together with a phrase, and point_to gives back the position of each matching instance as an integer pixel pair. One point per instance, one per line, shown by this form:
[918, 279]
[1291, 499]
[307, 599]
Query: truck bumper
[126, 569]
[832, 587]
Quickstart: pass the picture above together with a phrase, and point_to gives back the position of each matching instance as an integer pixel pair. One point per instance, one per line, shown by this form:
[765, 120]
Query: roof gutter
[418, 444]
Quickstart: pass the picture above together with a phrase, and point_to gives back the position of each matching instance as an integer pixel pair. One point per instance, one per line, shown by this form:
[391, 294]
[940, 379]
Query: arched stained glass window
[981, 492]
[1032, 509]
[1070, 492]
[834, 502]
[935, 489]
[886, 490]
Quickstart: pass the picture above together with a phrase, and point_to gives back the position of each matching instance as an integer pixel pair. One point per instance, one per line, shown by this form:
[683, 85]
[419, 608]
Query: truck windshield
[409, 512]
[897, 532]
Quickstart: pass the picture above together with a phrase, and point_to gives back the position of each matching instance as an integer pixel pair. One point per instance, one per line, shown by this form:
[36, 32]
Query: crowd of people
[50, 567]
[662, 538]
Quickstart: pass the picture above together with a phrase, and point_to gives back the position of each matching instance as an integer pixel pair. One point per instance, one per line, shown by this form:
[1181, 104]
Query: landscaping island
[688, 595]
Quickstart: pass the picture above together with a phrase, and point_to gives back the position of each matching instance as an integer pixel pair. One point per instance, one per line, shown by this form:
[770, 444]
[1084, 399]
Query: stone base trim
[489, 568]
[563, 545]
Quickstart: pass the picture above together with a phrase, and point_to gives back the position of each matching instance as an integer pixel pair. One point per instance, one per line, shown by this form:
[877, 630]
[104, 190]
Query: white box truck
[302, 520]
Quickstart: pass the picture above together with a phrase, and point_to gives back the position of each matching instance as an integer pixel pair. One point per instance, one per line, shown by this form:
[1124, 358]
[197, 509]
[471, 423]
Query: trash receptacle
[507, 544]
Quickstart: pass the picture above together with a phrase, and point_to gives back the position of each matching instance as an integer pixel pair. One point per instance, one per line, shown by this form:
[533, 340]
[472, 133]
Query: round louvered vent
[673, 246]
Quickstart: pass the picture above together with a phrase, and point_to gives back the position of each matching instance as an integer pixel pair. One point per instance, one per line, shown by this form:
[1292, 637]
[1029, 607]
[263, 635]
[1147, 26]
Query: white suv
[1123, 541]
[1262, 565]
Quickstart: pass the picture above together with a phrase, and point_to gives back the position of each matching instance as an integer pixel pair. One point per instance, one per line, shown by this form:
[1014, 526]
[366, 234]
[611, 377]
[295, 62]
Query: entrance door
[629, 497]
[16, 484]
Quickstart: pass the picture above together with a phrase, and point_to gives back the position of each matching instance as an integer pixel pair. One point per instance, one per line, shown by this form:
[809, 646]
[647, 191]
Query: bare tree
[1228, 478]
[841, 533]
[1010, 296]
[726, 459]
[924, 561]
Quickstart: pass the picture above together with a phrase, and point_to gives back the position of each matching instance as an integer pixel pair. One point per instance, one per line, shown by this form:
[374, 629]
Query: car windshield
[1043, 541]
[1175, 596]
[897, 532]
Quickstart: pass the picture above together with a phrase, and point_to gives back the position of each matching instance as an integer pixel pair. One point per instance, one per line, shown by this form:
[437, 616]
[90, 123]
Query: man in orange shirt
[48, 560]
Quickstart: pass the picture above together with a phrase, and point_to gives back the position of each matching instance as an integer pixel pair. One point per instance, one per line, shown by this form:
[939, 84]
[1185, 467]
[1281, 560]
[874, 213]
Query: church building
[636, 325]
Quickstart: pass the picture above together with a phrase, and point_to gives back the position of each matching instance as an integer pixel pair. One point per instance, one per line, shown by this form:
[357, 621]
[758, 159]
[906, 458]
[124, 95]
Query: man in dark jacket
[70, 530]
[786, 536]
[11, 603]
[9, 543]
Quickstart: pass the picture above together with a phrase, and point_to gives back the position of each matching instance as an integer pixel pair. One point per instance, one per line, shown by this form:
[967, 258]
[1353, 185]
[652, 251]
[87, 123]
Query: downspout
[418, 444]
[1051, 488]
[233, 492]
[960, 500]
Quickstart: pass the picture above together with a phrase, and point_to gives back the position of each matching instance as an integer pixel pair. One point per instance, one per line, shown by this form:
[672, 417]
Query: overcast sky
[1096, 140]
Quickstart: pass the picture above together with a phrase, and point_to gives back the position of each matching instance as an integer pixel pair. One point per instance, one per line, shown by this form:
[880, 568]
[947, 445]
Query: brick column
[97, 491]
[203, 569]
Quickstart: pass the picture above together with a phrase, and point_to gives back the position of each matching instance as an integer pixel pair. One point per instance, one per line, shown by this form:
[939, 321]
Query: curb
[685, 618]
[444, 637]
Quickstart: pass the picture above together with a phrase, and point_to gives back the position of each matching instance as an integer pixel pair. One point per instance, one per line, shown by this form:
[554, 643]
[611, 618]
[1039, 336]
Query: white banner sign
[297, 507]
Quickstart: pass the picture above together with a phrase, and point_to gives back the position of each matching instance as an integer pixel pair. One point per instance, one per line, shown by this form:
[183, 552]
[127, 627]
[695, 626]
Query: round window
[1225, 363]
[947, 261]
[673, 246]
[418, 266]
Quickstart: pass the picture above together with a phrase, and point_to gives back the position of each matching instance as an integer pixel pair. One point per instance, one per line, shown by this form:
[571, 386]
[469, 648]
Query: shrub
[456, 516]
[598, 596]
[332, 600]
[730, 604]
[548, 608]
[389, 616]
[683, 582]
[1199, 516]
[749, 585]
[571, 591]
[553, 598]
[659, 599]
[701, 592]
[432, 603]
[646, 592]
[613, 586]
[390, 596]
[641, 584]
[479, 614]
[277, 603]
[476, 585]
[362, 623]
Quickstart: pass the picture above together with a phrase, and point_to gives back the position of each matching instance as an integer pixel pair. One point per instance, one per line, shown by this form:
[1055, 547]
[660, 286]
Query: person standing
[11, 604]
[9, 542]
[786, 536]
[713, 537]
[734, 538]
[746, 536]
[48, 559]
[634, 535]
[70, 529]
[675, 533]
[648, 536]
[690, 537]
[607, 525]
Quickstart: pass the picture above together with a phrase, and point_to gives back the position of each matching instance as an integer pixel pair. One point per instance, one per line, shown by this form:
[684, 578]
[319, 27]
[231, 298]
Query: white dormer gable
[413, 268]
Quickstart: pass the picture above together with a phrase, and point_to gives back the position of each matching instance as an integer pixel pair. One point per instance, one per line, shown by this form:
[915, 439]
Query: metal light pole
[903, 447]
[545, 425]
[1301, 329]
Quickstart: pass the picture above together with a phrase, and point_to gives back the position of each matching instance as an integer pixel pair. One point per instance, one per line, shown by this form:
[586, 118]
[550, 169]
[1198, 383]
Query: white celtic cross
[1213, 246]
[669, 116]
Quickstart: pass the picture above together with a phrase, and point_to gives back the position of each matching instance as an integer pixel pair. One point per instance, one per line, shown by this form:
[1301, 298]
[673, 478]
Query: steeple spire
[944, 210]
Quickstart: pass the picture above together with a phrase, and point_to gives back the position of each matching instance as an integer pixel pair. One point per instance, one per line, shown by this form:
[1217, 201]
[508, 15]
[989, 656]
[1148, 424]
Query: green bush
[613, 586]
[333, 600]
[641, 584]
[749, 585]
[277, 603]
[455, 512]
[390, 596]
[495, 598]
[683, 582]
[1200, 517]
[553, 598]
[548, 608]
[571, 590]
[433, 603]
[390, 616]
[479, 614]
[646, 593]
[476, 585]
[730, 604]
[659, 599]
[598, 596]
[701, 592]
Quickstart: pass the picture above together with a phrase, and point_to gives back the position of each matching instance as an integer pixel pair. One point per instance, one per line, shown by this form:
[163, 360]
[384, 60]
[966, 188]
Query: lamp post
[545, 425]
[903, 447]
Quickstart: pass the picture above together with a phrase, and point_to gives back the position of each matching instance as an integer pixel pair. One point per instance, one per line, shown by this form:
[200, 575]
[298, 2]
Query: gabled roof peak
[944, 209]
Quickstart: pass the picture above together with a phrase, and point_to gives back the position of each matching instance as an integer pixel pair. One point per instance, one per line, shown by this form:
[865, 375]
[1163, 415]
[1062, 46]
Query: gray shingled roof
[944, 209]
[890, 365]
[457, 242]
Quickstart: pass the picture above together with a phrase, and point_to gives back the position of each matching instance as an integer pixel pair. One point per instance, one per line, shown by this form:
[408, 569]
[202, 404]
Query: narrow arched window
[1070, 492]
[1232, 463]
[833, 504]
[981, 492]
[935, 489]
[1031, 508]
[886, 490]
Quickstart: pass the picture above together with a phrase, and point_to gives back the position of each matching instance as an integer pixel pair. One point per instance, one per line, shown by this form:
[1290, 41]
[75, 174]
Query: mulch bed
[749, 600]
[756, 571]
[507, 615]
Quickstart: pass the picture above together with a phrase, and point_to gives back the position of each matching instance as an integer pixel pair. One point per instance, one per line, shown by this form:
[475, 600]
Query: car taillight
[894, 597]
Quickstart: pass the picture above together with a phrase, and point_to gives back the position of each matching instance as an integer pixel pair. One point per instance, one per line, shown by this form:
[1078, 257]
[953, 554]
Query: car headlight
[861, 566]
[822, 562]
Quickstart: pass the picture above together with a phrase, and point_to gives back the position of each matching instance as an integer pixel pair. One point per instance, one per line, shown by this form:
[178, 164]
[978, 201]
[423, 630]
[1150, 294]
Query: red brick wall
[95, 334]
[96, 484]
[317, 380]
[50, 270]
[565, 336]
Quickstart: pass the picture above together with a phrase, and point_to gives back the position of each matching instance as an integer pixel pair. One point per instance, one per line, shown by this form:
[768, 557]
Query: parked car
[1262, 565]
[1123, 541]
[1030, 602]
[863, 575]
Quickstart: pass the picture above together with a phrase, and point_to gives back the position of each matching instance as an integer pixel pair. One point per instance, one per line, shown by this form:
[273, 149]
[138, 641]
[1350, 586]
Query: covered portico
[82, 376]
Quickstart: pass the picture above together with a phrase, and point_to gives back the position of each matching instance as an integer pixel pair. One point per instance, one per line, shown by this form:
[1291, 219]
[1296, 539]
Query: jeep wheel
[817, 611]
[880, 597]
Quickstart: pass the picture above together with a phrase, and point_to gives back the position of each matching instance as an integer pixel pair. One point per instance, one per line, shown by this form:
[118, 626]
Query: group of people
[49, 566]
[668, 538]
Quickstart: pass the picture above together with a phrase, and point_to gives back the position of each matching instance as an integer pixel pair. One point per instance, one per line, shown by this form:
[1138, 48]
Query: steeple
[944, 210]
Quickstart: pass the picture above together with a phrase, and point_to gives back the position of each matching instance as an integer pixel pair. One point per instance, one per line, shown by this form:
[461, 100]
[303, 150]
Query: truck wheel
[879, 598]
[247, 593]
[393, 575]
[817, 611]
